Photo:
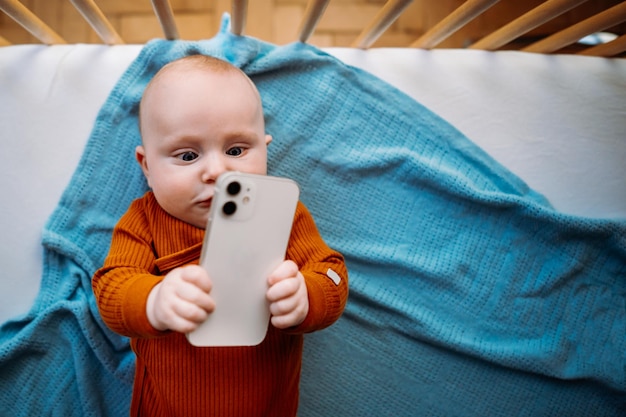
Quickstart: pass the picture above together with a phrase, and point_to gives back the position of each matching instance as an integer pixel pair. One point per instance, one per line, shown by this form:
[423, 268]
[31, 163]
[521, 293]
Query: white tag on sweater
[333, 276]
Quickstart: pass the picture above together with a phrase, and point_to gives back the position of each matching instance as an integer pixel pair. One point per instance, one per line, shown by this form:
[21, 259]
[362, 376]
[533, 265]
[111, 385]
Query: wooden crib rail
[312, 15]
[29, 21]
[612, 48]
[537, 16]
[239, 12]
[467, 12]
[387, 15]
[96, 19]
[532, 26]
[606, 19]
[165, 15]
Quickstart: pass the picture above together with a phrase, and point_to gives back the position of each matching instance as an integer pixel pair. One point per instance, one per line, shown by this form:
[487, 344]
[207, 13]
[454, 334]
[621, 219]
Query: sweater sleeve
[324, 271]
[123, 283]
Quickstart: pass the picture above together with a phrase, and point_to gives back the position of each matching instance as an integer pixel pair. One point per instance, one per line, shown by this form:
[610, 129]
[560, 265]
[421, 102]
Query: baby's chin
[199, 225]
[199, 221]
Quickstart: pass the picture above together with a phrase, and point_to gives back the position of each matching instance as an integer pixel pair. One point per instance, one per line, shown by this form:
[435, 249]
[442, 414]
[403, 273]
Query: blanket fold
[470, 295]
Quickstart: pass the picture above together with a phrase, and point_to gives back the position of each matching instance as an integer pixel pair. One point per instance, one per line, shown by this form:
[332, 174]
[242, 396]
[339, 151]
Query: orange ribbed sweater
[174, 378]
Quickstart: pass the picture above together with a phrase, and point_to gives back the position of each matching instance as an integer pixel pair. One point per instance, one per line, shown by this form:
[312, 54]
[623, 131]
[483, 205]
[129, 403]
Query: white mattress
[558, 122]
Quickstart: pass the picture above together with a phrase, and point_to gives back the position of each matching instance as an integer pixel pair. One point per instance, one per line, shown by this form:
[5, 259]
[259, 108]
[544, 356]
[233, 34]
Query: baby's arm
[181, 301]
[132, 299]
[323, 272]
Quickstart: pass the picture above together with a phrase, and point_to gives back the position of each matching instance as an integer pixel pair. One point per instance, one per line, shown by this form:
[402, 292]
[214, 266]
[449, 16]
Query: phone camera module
[229, 208]
[233, 188]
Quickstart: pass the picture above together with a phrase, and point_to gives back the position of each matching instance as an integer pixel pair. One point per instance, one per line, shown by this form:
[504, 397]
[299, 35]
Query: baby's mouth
[206, 203]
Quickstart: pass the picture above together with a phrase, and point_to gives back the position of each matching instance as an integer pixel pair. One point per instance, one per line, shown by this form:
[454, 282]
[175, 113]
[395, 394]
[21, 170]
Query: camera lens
[233, 188]
[229, 208]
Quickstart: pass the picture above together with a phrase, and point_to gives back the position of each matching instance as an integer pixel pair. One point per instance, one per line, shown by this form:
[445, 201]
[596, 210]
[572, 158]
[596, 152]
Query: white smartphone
[246, 239]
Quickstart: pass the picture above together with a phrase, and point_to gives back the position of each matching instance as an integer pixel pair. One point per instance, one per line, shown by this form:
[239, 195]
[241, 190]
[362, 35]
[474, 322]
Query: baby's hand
[288, 296]
[181, 301]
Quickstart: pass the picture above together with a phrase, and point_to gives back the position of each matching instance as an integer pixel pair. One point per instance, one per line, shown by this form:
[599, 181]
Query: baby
[200, 117]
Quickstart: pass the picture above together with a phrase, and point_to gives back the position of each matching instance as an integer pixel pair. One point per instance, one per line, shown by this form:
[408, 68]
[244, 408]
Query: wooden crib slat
[96, 19]
[29, 21]
[606, 19]
[615, 47]
[385, 17]
[313, 13]
[525, 23]
[239, 14]
[163, 12]
[4, 42]
[464, 14]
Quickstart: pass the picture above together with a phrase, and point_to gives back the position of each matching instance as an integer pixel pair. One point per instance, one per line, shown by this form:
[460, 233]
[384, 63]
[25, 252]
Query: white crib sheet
[558, 122]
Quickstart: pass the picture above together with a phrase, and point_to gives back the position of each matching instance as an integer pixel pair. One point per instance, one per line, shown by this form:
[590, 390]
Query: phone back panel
[246, 239]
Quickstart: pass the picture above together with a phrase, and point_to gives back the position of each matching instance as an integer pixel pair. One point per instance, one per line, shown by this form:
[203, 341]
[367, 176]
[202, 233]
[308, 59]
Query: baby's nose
[214, 167]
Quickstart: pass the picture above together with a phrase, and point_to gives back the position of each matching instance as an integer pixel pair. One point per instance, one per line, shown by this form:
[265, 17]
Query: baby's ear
[268, 139]
[140, 155]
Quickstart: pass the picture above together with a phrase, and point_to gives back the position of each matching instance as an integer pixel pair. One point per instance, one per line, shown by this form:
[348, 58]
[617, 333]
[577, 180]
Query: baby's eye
[235, 151]
[187, 156]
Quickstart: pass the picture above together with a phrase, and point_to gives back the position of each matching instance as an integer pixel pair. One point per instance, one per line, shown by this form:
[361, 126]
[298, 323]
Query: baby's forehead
[180, 72]
[184, 78]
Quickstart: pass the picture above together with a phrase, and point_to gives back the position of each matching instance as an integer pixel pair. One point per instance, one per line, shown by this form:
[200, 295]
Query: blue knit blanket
[470, 295]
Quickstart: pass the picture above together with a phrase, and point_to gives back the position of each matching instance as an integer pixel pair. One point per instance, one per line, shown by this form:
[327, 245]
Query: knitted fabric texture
[470, 295]
[174, 378]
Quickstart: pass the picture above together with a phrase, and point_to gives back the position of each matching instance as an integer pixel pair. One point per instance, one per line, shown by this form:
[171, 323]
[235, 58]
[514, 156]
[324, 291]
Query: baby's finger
[182, 325]
[190, 293]
[190, 312]
[281, 322]
[198, 276]
[283, 306]
[283, 289]
[287, 320]
[287, 269]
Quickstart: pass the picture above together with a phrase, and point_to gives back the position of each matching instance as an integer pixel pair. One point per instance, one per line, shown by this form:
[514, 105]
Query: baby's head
[199, 117]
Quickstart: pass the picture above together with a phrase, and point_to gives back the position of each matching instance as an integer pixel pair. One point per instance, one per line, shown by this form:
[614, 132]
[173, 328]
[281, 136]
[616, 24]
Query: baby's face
[196, 126]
